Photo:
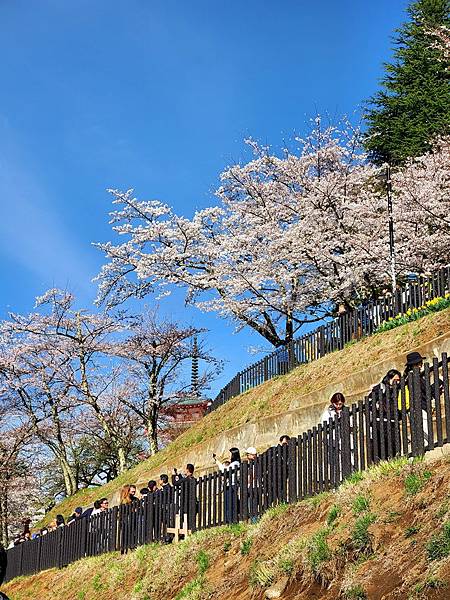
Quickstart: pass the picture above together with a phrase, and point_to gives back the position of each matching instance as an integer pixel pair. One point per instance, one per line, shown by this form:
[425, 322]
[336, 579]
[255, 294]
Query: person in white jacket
[335, 407]
[230, 484]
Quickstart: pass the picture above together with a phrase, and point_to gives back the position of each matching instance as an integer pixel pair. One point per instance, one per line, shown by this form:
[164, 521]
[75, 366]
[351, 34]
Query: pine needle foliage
[413, 106]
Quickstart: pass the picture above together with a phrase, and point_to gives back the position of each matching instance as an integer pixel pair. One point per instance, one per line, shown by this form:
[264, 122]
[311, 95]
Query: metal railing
[353, 325]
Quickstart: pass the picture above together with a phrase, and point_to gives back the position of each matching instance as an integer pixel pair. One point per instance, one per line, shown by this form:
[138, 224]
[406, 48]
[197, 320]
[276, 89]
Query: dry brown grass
[271, 398]
[286, 541]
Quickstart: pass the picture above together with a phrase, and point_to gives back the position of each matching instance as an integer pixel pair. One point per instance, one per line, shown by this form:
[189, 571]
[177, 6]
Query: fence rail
[405, 420]
[353, 325]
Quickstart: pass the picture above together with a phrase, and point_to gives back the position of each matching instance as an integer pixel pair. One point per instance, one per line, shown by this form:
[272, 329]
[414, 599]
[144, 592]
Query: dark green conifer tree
[413, 105]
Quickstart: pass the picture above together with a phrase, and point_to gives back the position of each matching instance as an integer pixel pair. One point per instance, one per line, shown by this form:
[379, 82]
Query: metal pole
[391, 229]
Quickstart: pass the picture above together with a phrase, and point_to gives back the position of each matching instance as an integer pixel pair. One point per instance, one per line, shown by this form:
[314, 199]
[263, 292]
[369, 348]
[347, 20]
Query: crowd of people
[386, 397]
[385, 392]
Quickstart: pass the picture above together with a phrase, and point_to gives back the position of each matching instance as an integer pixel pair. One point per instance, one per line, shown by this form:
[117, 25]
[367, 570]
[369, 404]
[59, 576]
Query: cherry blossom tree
[30, 378]
[103, 453]
[291, 237]
[153, 354]
[14, 436]
[58, 366]
[422, 209]
[84, 345]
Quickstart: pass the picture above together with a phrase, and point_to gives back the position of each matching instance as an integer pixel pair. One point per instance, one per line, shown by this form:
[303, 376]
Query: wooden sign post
[178, 529]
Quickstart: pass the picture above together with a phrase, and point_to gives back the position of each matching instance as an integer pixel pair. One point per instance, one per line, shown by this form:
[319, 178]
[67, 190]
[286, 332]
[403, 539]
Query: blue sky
[158, 96]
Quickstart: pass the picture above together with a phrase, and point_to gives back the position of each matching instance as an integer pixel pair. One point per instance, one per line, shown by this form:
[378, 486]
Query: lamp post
[391, 230]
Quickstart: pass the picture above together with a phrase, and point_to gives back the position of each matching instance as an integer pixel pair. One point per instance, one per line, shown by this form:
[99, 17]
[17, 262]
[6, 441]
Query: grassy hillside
[384, 534]
[272, 397]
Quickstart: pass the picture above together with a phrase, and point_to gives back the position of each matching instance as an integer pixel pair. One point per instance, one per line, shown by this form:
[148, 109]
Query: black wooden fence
[333, 335]
[406, 420]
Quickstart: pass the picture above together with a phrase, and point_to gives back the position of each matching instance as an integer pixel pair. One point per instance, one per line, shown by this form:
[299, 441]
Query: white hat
[251, 450]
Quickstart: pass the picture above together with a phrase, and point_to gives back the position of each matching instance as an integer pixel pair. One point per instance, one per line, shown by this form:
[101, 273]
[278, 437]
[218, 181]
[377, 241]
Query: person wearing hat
[230, 483]
[414, 360]
[251, 453]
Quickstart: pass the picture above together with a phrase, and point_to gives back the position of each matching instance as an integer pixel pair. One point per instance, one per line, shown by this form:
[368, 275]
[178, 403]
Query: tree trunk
[122, 458]
[4, 533]
[70, 482]
[152, 433]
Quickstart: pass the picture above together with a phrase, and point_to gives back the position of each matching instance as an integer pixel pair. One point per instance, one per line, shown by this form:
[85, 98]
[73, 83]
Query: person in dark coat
[384, 399]
[414, 360]
[77, 513]
[3, 564]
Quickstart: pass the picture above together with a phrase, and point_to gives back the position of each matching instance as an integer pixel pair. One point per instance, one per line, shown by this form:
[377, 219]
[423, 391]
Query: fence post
[192, 503]
[244, 485]
[345, 442]
[415, 394]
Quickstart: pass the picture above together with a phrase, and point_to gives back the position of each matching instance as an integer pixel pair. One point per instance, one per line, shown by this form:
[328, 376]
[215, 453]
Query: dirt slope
[384, 535]
[269, 398]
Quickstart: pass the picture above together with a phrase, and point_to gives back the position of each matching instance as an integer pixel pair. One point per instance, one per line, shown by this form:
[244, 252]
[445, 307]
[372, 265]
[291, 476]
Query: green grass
[444, 509]
[361, 538]
[276, 511]
[439, 545]
[318, 550]
[192, 590]
[276, 396]
[97, 583]
[246, 546]
[355, 592]
[334, 513]
[286, 565]
[414, 482]
[355, 477]
[392, 516]
[360, 504]
[431, 583]
[260, 574]
[202, 562]
[411, 530]
[236, 528]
